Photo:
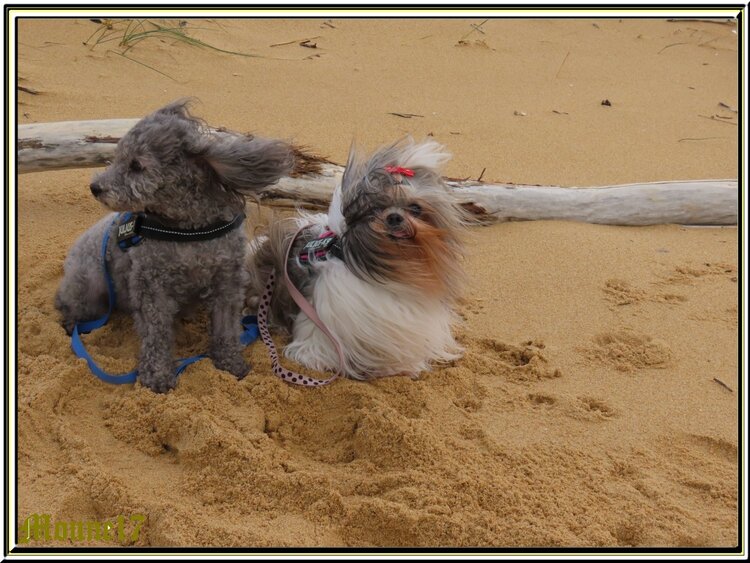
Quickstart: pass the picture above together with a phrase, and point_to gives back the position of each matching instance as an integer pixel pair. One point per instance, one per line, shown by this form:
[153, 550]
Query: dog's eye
[415, 209]
[136, 166]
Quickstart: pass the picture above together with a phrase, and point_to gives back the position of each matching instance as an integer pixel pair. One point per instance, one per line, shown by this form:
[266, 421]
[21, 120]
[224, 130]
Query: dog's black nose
[96, 189]
[394, 219]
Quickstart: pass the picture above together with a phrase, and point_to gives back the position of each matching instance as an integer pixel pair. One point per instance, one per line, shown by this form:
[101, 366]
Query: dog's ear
[247, 164]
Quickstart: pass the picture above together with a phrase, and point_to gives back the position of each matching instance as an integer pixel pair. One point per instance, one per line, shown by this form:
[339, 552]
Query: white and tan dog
[382, 268]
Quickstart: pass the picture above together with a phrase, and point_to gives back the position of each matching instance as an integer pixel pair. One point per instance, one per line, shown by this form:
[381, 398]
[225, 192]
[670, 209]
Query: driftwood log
[80, 144]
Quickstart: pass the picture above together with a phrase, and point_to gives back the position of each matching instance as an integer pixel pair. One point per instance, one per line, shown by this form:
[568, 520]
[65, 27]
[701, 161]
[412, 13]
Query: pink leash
[305, 306]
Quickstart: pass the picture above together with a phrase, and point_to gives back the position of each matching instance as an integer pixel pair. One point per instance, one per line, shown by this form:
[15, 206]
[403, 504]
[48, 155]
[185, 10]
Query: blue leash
[249, 333]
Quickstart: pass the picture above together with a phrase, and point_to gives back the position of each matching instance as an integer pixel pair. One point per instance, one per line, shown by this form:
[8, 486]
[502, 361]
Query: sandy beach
[596, 404]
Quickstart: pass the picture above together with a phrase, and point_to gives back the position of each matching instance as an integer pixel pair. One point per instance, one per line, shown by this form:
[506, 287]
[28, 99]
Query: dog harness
[129, 230]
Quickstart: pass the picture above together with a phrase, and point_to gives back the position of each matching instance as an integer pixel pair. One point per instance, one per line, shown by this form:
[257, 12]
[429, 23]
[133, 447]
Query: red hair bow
[399, 170]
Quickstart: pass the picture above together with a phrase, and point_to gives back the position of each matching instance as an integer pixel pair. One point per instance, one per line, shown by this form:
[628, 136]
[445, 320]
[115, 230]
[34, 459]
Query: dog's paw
[237, 366]
[240, 376]
[67, 320]
[68, 326]
[158, 383]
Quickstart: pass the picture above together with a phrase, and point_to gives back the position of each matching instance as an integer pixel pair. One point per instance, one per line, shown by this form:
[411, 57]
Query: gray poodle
[187, 184]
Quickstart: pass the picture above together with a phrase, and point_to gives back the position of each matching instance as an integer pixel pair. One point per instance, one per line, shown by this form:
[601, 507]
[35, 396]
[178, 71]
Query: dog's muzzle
[399, 227]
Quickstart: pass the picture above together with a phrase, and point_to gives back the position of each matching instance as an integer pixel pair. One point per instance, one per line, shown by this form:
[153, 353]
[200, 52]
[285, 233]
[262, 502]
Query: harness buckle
[319, 248]
[128, 230]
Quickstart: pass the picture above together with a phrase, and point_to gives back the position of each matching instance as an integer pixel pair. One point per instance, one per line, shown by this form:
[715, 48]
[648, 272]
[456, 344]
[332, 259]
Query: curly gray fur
[171, 165]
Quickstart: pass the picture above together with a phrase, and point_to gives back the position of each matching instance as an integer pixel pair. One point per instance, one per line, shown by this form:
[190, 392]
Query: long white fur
[427, 154]
[391, 326]
[383, 329]
[335, 216]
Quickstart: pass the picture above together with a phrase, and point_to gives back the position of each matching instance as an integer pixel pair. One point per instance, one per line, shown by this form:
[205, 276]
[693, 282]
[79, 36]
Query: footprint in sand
[519, 364]
[727, 316]
[688, 274]
[670, 298]
[541, 400]
[620, 292]
[471, 306]
[627, 350]
[589, 409]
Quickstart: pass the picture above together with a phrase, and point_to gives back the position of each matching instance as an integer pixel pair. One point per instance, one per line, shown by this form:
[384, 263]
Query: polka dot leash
[285, 374]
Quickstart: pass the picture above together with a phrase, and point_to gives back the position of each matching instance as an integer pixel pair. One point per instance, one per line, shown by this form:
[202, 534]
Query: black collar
[134, 227]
